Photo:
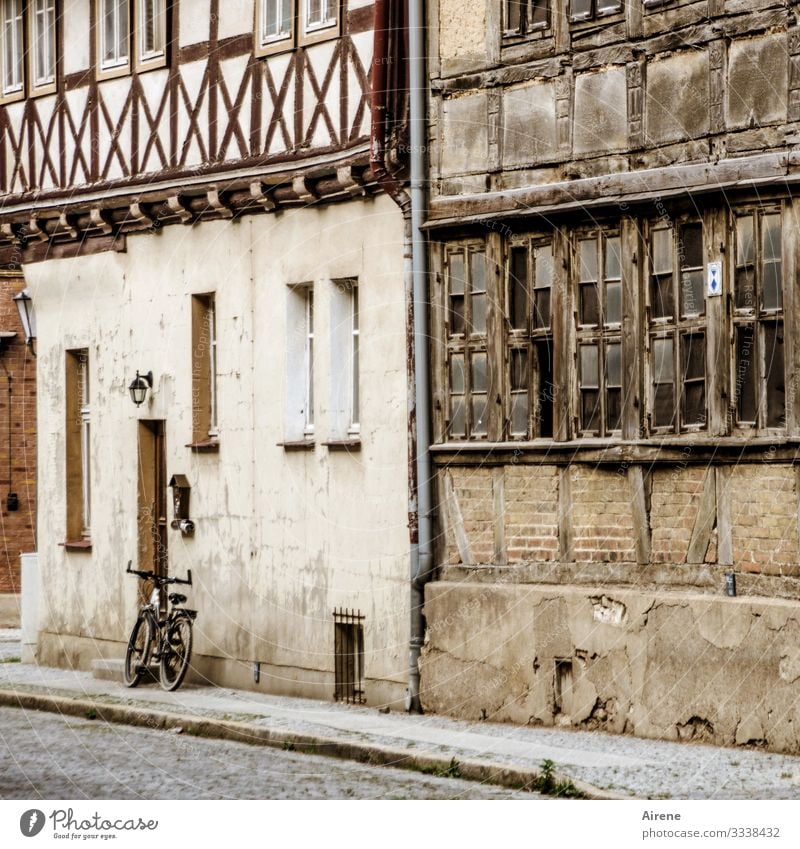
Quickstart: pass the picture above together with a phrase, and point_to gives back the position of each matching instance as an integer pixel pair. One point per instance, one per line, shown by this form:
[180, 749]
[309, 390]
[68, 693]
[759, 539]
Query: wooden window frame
[315, 35]
[51, 86]
[13, 95]
[205, 396]
[525, 30]
[278, 45]
[757, 316]
[78, 447]
[529, 335]
[123, 68]
[601, 334]
[467, 345]
[141, 62]
[599, 12]
[680, 328]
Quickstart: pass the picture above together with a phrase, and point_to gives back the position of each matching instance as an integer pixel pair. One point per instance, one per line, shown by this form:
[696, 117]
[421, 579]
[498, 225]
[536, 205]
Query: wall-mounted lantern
[139, 386]
[180, 504]
[27, 316]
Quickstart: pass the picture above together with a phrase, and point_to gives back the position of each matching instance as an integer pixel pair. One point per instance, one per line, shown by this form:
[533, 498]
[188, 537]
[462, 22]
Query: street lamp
[27, 316]
[139, 386]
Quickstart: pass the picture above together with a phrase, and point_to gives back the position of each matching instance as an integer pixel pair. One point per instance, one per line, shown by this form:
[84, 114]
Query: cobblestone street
[52, 757]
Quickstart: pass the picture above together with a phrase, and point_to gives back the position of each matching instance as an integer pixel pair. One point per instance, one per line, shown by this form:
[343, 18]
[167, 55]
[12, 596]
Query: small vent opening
[348, 628]
[562, 686]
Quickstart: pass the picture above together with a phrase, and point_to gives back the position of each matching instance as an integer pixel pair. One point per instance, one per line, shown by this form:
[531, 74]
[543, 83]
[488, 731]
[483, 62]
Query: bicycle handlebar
[160, 580]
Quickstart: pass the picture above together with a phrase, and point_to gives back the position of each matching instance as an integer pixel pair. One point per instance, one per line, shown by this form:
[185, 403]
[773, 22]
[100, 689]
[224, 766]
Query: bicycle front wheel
[140, 646]
[176, 652]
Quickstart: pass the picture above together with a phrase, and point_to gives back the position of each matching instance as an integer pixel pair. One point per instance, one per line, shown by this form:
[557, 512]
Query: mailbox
[179, 484]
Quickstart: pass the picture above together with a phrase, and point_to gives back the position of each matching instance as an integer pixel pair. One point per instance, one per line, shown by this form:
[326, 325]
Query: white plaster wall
[282, 537]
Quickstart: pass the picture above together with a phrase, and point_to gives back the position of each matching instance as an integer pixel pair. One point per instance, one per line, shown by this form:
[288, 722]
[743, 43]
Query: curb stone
[486, 772]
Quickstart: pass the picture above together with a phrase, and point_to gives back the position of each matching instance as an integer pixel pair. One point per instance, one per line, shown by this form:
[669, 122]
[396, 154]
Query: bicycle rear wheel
[140, 645]
[176, 652]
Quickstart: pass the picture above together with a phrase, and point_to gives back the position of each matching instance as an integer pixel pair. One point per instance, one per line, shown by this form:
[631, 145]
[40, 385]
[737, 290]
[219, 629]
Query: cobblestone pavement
[43, 755]
[623, 765]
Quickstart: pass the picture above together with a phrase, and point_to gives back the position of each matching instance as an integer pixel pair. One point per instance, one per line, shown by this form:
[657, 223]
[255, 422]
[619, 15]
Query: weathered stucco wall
[673, 665]
[282, 538]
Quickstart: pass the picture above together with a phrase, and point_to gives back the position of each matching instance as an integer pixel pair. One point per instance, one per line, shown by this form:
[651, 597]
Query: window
[759, 376]
[677, 333]
[348, 652]
[204, 371]
[118, 20]
[274, 24]
[151, 32]
[529, 360]
[586, 10]
[78, 446]
[43, 36]
[599, 319]
[320, 14]
[299, 386]
[525, 16]
[344, 409]
[12, 45]
[114, 34]
[466, 331]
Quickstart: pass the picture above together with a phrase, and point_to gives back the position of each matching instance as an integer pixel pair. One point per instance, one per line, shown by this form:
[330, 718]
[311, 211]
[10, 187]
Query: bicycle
[166, 641]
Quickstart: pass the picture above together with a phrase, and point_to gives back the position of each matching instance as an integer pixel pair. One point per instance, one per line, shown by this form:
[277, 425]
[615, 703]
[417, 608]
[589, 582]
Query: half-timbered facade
[186, 185]
[615, 351]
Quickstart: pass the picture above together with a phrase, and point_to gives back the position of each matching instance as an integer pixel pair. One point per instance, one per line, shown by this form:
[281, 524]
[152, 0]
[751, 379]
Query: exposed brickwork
[474, 492]
[17, 472]
[601, 516]
[531, 513]
[764, 507]
[674, 503]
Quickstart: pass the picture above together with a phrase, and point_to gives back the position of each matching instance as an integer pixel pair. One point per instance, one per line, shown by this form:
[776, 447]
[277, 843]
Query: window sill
[298, 445]
[353, 444]
[77, 545]
[209, 446]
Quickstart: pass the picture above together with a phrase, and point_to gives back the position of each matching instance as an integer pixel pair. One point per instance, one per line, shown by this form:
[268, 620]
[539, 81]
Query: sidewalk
[604, 766]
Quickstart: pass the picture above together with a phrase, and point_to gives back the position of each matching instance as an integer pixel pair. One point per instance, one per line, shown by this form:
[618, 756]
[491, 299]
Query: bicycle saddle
[177, 598]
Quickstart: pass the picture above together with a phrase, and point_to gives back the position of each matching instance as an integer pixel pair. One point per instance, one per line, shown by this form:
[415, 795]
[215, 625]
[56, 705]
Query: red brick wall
[602, 520]
[17, 472]
[675, 502]
[531, 513]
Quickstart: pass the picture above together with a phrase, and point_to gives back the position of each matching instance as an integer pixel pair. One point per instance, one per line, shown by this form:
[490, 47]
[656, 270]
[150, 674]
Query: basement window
[348, 652]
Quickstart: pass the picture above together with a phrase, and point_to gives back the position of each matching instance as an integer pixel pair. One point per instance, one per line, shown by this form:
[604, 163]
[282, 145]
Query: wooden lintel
[705, 521]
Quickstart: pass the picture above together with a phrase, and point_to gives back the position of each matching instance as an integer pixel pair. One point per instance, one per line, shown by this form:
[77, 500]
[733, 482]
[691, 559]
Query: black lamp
[27, 316]
[139, 386]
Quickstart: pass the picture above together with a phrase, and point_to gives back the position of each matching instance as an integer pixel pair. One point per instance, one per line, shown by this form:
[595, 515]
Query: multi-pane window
[521, 17]
[677, 333]
[275, 21]
[599, 319]
[43, 34]
[12, 47]
[114, 33]
[586, 10]
[320, 14]
[467, 357]
[529, 411]
[151, 29]
[759, 374]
